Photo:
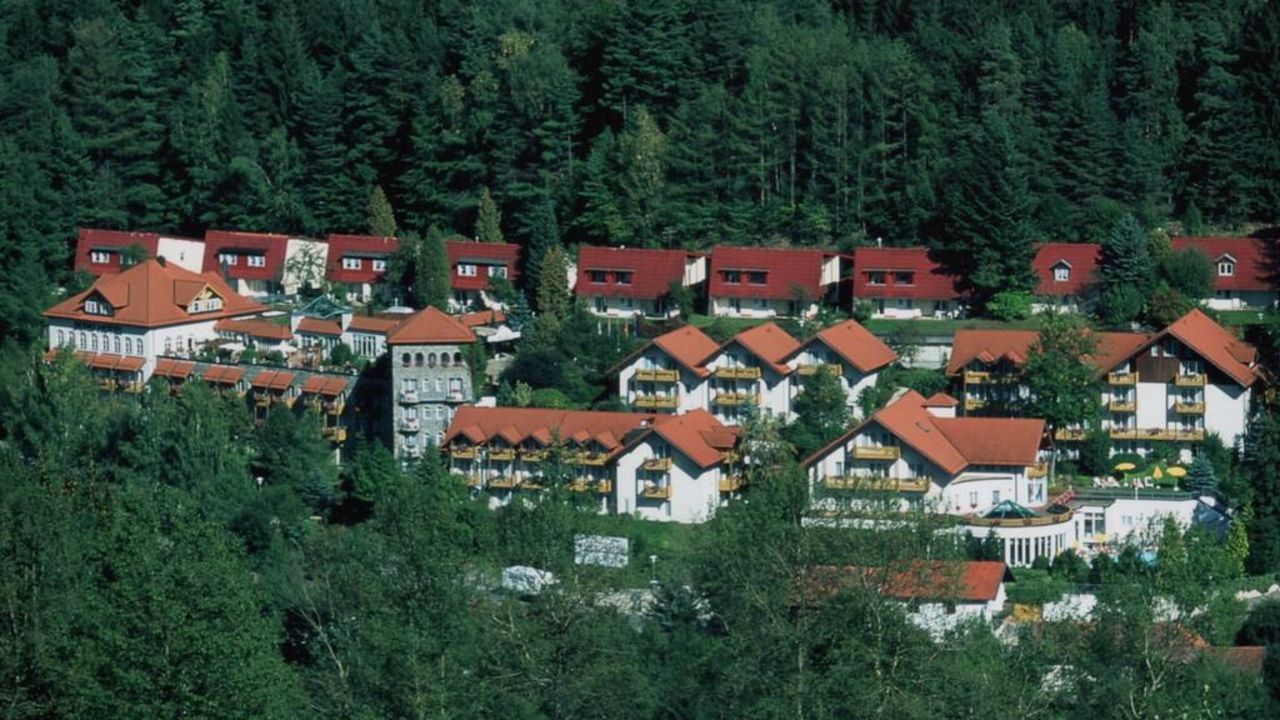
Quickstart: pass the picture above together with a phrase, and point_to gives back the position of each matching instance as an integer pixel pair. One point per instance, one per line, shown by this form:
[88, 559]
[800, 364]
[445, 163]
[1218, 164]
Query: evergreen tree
[1060, 376]
[380, 218]
[488, 219]
[553, 284]
[822, 413]
[543, 235]
[1261, 467]
[1125, 270]
[432, 286]
[1200, 476]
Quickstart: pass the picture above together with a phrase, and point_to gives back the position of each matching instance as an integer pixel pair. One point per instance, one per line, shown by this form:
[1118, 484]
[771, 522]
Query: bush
[550, 398]
[341, 355]
[1095, 453]
[1010, 305]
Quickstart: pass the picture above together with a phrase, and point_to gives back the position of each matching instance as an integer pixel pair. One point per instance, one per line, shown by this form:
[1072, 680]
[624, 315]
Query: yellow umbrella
[1177, 472]
[1126, 466]
[1157, 474]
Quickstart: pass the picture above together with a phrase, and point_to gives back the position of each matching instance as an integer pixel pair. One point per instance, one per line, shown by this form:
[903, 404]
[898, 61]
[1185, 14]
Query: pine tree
[544, 234]
[488, 219]
[553, 284]
[1261, 468]
[431, 285]
[1200, 476]
[1126, 270]
[380, 217]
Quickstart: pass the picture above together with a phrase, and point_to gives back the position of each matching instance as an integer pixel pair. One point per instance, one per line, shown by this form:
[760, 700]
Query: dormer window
[228, 258]
[94, 306]
[597, 276]
[99, 257]
[466, 270]
[624, 278]
[904, 278]
[351, 263]
[1061, 273]
[209, 304]
[498, 271]
[732, 277]
[1226, 268]
[757, 277]
[875, 278]
[379, 265]
[257, 261]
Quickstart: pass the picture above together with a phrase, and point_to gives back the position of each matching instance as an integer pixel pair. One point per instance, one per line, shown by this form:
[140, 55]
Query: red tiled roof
[1218, 347]
[255, 328]
[272, 380]
[481, 424]
[366, 248]
[697, 434]
[1081, 260]
[316, 326]
[242, 244]
[975, 581]
[785, 270]
[952, 444]
[483, 254]
[152, 294]
[176, 369]
[688, 346]
[652, 272]
[324, 385]
[989, 346]
[941, 399]
[1257, 260]
[112, 242]
[929, 279]
[857, 345]
[480, 318]
[430, 327]
[769, 343]
[223, 374]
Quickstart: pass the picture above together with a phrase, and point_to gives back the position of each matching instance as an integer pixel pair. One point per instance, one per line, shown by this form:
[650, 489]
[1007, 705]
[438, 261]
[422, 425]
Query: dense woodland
[165, 556]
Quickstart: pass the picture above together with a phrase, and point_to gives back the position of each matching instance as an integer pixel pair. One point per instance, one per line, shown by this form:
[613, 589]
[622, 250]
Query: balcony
[502, 454]
[107, 385]
[263, 400]
[130, 386]
[1189, 380]
[410, 425]
[973, 403]
[502, 482]
[735, 399]
[1189, 408]
[656, 492]
[731, 483]
[584, 485]
[1069, 434]
[1122, 406]
[335, 433]
[815, 368]
[408, 397]
[662, 376]
[665, 402]
[334, 407]
[533, 456]
[586, 458]
[657, 464]
[732, 456]
[1122, 378]
[1158, 434]
[1038, 470]
[738, 373]
[471, 480]
[871, 483]
[884, 452]
[1037, 521]
[463, 453]
[984, 377]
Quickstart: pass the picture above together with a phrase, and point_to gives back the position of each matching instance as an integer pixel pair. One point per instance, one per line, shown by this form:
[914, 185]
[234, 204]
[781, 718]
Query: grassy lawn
[673, 544]
[932, 326]
[1241, 317]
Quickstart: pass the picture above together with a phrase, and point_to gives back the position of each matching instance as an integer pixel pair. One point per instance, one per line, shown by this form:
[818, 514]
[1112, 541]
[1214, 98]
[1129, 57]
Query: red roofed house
[675, 468]
[102, 252]
[624, 282]
[472, 266]
[259, 264]
[668, 374]
[430, 377]
[939, 595]
[125, 321]
[769, 282]
[911, 456]
[1245, 270]
[750, 370]
[1065, 270]
[904, 283]
[1175, 386]
[848, 349]
[358, 263]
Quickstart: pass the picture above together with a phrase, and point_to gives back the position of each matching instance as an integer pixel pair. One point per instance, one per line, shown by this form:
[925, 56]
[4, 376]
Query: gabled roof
[1081, 258]
[316, 326]
[272, 247]
[698, 435]
[952, 444]
[430, 327]
[254, 327]
[990, 346]
[481, 318]
[785, 270]
[941, 399]
[856, 344]
[971, 581]
[365, 247]
[652, 271]
[223, 374]
[480, 253]
[482, 424]
[1234, 357]
[768, 342]
[929, 279]
[324, 385]
[154, 294]
[1257, 260]
[688, 346]
[89, 240]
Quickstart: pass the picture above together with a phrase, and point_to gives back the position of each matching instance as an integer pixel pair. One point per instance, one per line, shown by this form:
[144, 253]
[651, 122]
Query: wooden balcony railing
[656, 492]
[870, 483]
[471, 480]
[502, 482]
[657, 464]
[662, 376]
[815, 368]
[502, 454]
[665, 402]
[738, 373]
[883, 452]
[1189, 380]
[1069, 434]
[1189, 408]
[735, 399]
[1122, 406]
[1158, 434]
[335, 433]
[1122, 378]
[463, 453]
[731, 483]
[586, 458]
[973, 403]
[1038, 470]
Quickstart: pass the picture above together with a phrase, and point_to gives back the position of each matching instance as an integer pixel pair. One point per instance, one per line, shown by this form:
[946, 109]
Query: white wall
[851, 381]
[692, 389]
[150, 341]
[1226, 411]
[695, 270]
[295, 246]
[755, 308]
[1243, 300]
[624, 307]
[695, 492]
[1153, 404]
[186, 254]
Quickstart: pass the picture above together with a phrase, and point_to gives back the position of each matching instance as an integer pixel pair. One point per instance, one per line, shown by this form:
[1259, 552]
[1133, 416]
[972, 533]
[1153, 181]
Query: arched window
[457, 359]
[61, 339]
[417, 360]
[444, 359]
[128, 346]
[431, 359]
[406, 359]
[84, 341]
[117, 344]
[94, 339]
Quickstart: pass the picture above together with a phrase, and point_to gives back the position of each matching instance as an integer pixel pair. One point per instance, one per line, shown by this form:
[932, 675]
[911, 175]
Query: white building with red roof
[626, 282]
[761, 369]
[259, 264]
[676, 468]
[904, 283]
[357, 264]
[1065, 271]
[770, 282]
[126, 320]
[1245, 270]
[473, 266]
[104, 252]
[430, 377]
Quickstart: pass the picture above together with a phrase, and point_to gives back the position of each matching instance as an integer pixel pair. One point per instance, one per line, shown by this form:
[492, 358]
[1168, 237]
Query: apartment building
[904, 283]
[770, 282]
[630, 282]
[1065, 272]
[357, 264]
[430, 376]
[105, 252]
[1245, 270]
[473, 266]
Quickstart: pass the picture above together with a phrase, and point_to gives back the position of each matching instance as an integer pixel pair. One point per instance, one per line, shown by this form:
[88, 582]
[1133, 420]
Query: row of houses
[628, 282]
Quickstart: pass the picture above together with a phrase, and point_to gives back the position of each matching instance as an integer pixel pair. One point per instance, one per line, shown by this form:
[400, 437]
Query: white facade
[625, 307]
[672, 489]
[910, 308]
[938, 619]
[186, 254]
[758, 308]
[1242, 300]
[147, 343]
[741, 383]
[655, 381]
[815, 356]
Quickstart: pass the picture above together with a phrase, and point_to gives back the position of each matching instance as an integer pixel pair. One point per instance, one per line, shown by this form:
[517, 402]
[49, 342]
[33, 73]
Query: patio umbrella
[1157, 474]
[1126, 466]
[1177, 472]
